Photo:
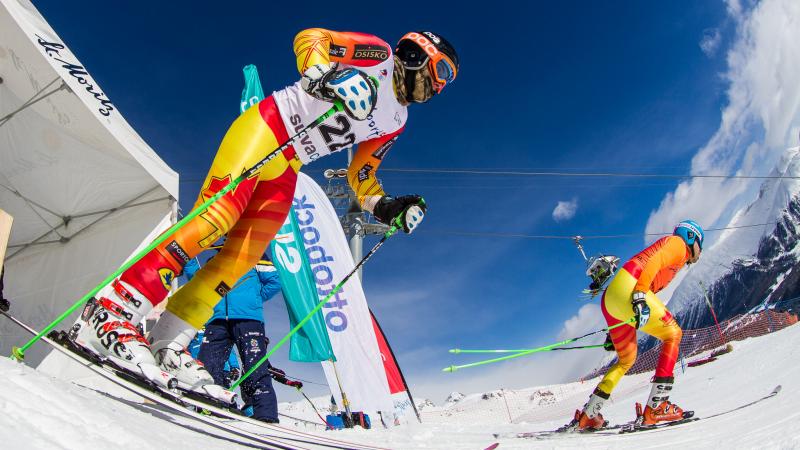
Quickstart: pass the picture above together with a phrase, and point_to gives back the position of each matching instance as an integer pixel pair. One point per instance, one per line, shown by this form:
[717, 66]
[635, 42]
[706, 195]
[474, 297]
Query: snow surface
[39, 411]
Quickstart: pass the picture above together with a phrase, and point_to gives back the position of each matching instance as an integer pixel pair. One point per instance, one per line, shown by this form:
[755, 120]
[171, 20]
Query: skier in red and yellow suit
[632, 294]
[375, 86]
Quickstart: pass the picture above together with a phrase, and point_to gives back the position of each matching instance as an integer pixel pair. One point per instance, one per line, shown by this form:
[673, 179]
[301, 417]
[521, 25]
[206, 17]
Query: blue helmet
[690, 232]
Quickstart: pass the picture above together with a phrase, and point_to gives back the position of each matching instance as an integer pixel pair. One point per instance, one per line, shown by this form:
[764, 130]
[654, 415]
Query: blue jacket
[245, 300]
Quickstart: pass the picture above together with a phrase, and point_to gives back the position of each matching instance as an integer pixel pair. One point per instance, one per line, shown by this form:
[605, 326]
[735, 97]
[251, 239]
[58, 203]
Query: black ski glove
[608, 345]
[640, 309]
[406, 211]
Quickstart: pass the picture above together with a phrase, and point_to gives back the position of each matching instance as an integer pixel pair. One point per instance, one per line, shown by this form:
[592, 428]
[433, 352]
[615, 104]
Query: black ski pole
[330, 427]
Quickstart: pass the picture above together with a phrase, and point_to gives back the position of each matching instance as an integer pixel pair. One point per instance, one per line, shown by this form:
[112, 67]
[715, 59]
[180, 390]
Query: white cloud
[589, 318]
[758, 123]
[710, 42]
[565, 210]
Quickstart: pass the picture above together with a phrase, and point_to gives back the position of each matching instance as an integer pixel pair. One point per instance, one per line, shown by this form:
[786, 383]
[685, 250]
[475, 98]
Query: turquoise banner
[252, 93]
[310, 343]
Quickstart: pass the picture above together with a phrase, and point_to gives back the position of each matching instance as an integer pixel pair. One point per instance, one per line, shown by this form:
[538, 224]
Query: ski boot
[107, 329]
[659, 409]
[168, 341]
[589, 419]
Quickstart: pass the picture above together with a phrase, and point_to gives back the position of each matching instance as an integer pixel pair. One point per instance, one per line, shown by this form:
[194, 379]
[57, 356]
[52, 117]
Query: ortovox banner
[347, 316]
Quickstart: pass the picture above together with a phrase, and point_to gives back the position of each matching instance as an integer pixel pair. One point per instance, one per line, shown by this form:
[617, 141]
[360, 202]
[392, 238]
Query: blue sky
[566, 86]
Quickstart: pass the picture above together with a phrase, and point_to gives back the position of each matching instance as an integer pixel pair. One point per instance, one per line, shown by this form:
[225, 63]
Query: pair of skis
[274, 437]
[631, 427]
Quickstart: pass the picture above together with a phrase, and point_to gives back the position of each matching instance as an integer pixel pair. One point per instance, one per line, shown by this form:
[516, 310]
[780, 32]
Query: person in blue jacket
[239, 319]
[230, 372]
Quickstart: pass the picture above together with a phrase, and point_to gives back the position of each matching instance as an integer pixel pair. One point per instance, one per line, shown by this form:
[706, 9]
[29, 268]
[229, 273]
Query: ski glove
[640, 309]
[280, 376]
[294, 384]
[406, 211]
[355, 89]
[233, 375]
[608, 345]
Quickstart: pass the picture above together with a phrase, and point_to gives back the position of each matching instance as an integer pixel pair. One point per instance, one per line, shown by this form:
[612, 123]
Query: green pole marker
[459, 350]
[308, 317]
[18, 353]
[534, 350]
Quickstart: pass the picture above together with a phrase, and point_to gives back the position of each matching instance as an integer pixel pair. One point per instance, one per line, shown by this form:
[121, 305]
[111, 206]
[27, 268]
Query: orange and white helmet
[420, 48]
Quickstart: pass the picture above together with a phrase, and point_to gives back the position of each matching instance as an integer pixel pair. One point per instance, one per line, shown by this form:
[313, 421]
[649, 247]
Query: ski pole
[392, 230]
[330, 427]
[19, 352]
[536, 350]
[459, 350]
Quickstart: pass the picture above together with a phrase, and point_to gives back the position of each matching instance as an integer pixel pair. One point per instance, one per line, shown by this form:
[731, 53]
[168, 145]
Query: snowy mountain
[747, 266]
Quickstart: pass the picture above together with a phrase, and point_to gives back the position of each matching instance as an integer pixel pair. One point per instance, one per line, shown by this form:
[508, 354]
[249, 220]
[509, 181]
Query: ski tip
[777, 389]
[17, 353]
[493, 446]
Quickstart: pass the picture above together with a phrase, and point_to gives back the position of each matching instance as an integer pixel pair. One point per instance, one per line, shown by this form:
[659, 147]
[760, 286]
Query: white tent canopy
[83, 187]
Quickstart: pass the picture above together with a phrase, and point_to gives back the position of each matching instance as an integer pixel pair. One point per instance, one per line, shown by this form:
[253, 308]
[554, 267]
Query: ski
[178, 403]
[636, 428]
[630, 427]
[546, 434]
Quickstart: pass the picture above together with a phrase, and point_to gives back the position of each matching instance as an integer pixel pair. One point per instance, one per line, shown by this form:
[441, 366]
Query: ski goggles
[415, 50]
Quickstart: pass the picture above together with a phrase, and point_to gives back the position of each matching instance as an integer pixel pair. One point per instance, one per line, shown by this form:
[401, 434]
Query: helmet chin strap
[409, 77]
[410, 85]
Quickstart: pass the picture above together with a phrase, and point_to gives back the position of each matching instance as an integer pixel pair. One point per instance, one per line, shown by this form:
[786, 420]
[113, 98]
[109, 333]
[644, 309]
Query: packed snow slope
[37, 411]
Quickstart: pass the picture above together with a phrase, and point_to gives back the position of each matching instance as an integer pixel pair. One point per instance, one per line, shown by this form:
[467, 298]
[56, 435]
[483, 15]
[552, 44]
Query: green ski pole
[460, 350]
[535, 350]
[392, 230]
[18, 353]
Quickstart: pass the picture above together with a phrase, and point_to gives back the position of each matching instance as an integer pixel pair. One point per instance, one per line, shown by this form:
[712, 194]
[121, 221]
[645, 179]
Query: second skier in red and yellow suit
[375, 86]
[631, 295]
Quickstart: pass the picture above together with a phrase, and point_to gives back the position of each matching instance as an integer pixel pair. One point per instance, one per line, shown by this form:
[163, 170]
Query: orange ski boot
[586, 423]
[664, 412]
[659, 409]
[589, 419]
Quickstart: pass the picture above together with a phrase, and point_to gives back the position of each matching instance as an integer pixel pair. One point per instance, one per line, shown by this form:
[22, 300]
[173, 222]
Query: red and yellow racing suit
[650, 271]
[253, 212]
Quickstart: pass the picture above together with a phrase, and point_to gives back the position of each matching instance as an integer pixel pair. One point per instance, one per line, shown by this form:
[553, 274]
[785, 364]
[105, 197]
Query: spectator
[239, 319]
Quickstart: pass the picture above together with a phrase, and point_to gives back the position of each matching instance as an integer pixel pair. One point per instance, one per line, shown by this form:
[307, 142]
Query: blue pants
[250, 340]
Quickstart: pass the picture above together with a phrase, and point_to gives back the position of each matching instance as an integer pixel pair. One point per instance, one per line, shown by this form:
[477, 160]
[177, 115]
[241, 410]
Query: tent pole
[33, 100]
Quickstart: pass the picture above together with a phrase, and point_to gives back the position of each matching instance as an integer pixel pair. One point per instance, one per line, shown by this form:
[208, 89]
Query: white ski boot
[107, 328]
[169, 339]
